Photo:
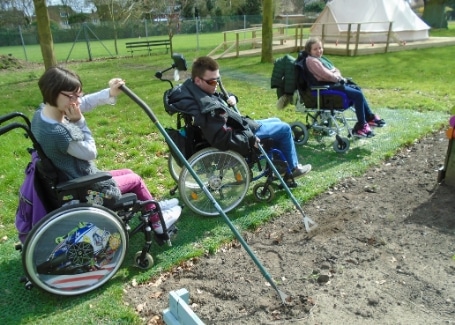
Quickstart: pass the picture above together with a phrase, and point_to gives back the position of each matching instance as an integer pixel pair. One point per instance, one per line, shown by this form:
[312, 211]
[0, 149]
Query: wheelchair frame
[323, 114]
[80, 245]
[323, 121]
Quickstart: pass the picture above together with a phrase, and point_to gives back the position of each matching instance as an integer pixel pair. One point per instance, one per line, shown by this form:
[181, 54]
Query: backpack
[31, 208]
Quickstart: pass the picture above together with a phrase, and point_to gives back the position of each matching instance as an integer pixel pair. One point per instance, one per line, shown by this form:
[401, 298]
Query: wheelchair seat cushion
[328, 100]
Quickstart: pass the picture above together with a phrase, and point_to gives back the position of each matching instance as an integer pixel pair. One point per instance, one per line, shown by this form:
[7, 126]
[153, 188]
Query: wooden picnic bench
[147, 45]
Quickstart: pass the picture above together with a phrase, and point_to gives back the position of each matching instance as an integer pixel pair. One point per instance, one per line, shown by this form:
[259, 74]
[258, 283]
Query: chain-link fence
[89, 41]
[133, 29]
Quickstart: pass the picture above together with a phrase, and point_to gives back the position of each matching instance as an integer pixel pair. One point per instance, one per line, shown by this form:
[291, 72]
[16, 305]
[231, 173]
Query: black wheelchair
[227, 174]
[325, 109]
[83, 239]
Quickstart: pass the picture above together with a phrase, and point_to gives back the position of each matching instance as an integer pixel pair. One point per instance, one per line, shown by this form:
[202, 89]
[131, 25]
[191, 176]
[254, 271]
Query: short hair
[56, 80]
[201, 65]
[309, 43]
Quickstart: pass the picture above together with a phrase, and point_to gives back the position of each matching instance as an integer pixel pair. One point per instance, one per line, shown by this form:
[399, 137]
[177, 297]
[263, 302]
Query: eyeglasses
[211, 82]
[73, 98]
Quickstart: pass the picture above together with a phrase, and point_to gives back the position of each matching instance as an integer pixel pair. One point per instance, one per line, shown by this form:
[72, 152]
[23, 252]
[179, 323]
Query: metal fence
[143, 28]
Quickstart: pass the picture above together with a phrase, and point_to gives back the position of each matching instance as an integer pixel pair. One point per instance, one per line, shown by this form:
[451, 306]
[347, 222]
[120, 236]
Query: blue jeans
[362, 109]
[281, 134]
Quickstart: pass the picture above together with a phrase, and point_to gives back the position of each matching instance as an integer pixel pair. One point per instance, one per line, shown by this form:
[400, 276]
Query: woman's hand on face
[114, 85]
[73, 112]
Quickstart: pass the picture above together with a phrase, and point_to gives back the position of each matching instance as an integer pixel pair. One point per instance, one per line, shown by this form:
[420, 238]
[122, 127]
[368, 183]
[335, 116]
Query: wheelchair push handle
[179, 64]
[12, 126]
[12, 115]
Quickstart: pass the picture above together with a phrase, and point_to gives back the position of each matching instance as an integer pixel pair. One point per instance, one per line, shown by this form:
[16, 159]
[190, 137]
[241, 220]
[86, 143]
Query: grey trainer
[301, 170]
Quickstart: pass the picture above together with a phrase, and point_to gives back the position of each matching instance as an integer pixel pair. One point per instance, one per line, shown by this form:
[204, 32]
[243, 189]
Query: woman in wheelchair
[325, 72]
[61, 129]
[222, 126]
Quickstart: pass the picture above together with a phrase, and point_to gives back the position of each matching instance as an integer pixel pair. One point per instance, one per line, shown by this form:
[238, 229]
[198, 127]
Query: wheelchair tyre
[300, 133]
[226, 176]
[146, 263]
[74, 249]
[263, 192]
[174, 168]
[341, 145]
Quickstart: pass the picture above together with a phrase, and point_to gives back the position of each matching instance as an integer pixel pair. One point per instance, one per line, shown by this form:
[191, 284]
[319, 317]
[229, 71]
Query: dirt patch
[383, 253]
[9, 63]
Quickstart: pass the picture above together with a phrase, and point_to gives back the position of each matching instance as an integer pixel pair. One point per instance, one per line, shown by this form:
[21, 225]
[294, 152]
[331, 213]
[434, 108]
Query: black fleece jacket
[222, 126]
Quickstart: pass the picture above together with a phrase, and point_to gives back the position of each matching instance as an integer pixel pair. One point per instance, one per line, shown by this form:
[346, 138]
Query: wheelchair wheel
[300, 133]
[263, 192]
[143, 264]
[174, 168]
[341, 145]
[74, 249]
[224, 173]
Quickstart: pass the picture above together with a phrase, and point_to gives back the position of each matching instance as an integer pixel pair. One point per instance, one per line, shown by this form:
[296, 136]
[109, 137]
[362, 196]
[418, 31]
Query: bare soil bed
[383, 253]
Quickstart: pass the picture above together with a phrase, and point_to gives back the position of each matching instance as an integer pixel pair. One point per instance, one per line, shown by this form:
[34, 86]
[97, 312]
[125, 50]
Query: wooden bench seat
[146, 45]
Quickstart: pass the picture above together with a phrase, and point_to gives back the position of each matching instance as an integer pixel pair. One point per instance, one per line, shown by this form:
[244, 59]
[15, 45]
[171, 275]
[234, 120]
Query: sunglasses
[211, 82]
[73, 98]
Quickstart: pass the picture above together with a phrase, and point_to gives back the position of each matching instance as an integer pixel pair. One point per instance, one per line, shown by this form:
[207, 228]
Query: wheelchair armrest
[125, 200]
[83, 181]
[320, 87]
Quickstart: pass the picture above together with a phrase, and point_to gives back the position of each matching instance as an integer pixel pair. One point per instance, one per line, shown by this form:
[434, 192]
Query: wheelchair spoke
[224, 173]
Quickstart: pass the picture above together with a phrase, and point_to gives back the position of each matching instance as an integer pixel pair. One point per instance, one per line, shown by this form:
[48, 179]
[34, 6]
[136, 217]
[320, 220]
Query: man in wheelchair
[60, 128]
[326, 73]
[222, 126]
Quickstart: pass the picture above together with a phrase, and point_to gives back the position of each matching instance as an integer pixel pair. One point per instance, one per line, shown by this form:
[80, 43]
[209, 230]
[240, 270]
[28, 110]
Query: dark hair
[201, 65]
[56, 80]
[309, 43]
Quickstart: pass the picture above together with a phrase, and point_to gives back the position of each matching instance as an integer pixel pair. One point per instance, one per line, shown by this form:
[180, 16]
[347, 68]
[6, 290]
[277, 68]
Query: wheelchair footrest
[162, 239]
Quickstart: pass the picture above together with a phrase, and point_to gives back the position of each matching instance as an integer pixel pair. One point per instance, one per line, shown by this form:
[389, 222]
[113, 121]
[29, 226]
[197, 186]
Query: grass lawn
[412, 90]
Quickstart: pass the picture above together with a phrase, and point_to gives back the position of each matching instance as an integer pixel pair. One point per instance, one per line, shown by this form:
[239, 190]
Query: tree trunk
[267, 31]
[434, 13]
[44, 33]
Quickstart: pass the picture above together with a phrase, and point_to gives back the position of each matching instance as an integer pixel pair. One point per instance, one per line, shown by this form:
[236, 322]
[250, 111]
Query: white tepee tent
[374, 17]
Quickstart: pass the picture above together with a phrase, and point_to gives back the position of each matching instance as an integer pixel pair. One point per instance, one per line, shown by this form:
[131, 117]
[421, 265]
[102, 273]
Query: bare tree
[25, 6]
[118, 12]
[170, 10]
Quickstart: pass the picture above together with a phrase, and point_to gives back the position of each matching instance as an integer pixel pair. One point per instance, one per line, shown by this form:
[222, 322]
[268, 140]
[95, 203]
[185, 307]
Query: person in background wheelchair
[325, 72]
[223, 127]
[61, 129]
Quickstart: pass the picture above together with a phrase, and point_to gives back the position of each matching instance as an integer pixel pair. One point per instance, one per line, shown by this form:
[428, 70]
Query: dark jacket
[222, 127]
[284, 75]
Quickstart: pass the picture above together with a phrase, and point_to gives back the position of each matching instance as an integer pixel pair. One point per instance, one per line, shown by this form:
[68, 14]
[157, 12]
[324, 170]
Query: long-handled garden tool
[174, 147]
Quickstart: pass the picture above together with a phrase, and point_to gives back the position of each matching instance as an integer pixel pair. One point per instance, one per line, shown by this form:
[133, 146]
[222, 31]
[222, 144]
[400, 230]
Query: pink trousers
[130, 182]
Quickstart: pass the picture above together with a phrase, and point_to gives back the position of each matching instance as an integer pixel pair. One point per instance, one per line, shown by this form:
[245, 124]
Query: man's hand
[256, 144]
[231, 100]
